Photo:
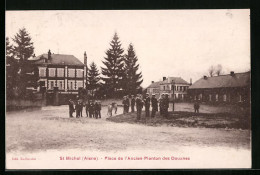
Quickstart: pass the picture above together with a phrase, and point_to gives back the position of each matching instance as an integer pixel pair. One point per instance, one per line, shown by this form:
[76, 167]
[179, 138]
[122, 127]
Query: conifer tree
[113, 67]
[93, 78]
[132, 79]
[23, 49]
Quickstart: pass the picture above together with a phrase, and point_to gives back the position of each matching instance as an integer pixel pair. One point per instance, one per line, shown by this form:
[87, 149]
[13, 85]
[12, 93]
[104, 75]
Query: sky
[168, 43]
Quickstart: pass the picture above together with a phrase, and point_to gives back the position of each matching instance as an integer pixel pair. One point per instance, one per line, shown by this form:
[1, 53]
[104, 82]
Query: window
[216, 97]
[79, 73]
[224, 97]
[71, 72]
[60, 72]
[42, 72]
[60, 84]
[51, 84]
[163, 87]
[210, 97]
[79, 84]
[71, 85]
[51, 72]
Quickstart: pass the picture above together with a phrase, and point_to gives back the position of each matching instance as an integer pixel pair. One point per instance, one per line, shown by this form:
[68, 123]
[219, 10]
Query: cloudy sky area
[182, 43]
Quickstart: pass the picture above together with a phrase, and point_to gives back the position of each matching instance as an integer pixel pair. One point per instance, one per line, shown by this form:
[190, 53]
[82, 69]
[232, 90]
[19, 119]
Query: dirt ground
[50, 128]
[49, 133]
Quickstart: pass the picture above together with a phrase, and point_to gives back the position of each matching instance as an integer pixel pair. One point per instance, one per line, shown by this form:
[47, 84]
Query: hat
[153, 94]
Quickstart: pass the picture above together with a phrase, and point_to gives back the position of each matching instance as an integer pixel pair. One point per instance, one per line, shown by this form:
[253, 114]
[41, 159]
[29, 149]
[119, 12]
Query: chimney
[85, 58]
[232, 73]
[152, 82]
[190, 81]
[164, 78]
[49, 54]
[205, 77]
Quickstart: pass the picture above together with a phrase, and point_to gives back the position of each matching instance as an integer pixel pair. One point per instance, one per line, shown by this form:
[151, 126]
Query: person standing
[125, 104]
[77, 109]
[165, 105]
[133, 104]
[71, 108]
[196, 107]
[87, 108]
[139, 107]
[161, 104]
[147, 101]
[128, 104]
[98, 109]
[80, 107]
[154, 105]
[91, 109]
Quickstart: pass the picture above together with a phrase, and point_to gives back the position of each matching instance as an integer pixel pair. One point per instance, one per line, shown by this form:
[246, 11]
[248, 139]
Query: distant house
[165, 87]
[231, 88]
[66, 72]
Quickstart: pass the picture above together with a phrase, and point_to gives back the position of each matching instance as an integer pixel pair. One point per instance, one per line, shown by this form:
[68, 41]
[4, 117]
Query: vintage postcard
[128, 89]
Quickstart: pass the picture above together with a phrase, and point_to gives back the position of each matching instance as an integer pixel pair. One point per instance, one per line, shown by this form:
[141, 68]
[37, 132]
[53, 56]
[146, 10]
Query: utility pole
[173, 88]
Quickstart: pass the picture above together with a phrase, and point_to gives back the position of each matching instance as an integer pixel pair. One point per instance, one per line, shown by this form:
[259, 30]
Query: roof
[176, 80]
[155, 84]
[237, 80]
[58, 59]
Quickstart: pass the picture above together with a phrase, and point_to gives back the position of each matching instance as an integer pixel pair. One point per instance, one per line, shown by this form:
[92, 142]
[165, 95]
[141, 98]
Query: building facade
[231, 88]
[166, 87]
[66, 72]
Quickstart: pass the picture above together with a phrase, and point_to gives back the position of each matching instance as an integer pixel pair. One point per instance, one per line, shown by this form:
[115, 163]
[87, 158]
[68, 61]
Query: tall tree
[113, 67]
[11, 70]
[93, 78]
[23, 49]
[132, 79]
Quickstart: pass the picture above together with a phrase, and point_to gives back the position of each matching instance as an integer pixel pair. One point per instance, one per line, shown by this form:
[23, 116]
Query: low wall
[22, 104]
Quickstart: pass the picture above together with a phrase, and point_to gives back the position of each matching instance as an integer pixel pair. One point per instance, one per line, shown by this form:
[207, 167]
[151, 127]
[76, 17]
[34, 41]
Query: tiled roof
[58, 59]
[177, 80]
[155, 84]
[237, 80]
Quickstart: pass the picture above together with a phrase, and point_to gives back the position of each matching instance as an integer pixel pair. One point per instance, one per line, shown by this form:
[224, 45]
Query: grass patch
[189, 119]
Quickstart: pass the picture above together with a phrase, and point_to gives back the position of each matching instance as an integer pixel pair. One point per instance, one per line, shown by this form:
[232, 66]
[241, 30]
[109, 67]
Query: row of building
[230, 88]
[68, 73]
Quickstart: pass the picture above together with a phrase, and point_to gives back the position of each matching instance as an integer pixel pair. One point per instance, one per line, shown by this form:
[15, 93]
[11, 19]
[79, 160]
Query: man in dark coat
[71, 108]
[139, 106]
[80, 107]
[165, 105]
[91, 109]
[77, 107]
[133, 104]
[128, 104]
[196, 107]
[154, 105]
[147, 102]
[97, 109]
[125, 104]
[161, 104]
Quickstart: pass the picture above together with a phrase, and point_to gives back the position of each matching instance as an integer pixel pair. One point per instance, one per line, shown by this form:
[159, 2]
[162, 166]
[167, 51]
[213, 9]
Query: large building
[231, 88]
[66, 72]
[165, 87]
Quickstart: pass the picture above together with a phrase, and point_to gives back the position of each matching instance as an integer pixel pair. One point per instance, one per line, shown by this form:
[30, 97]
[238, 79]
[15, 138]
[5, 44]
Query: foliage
[132, 79]
[113, 67]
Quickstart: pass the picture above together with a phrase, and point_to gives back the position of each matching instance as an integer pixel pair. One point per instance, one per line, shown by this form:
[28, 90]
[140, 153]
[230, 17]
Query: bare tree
[211, 71]
[219, 70]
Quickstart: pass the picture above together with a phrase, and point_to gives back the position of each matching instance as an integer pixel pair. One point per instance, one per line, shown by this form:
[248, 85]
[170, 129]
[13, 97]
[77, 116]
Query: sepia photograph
[128, 89]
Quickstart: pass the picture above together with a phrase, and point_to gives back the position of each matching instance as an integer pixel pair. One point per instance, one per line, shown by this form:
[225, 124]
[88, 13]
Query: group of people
[139, 102]
[92, 108]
